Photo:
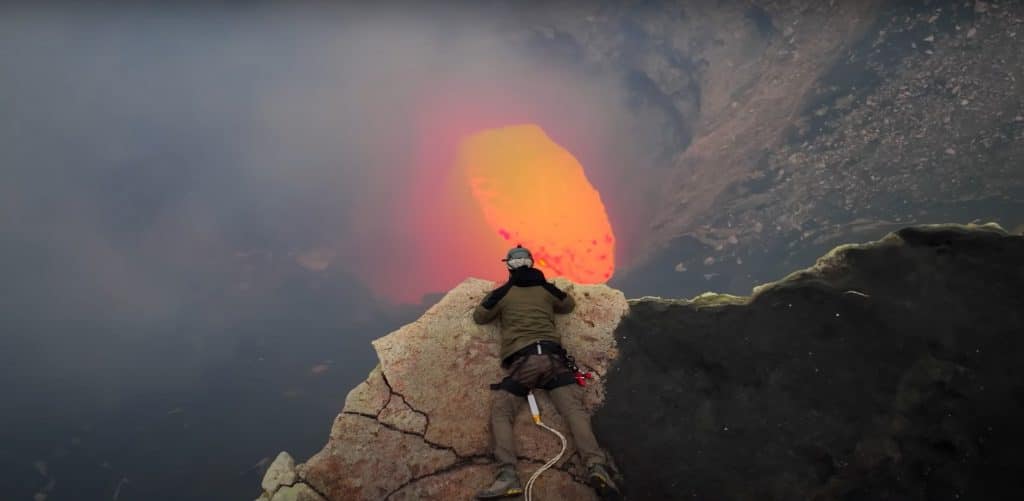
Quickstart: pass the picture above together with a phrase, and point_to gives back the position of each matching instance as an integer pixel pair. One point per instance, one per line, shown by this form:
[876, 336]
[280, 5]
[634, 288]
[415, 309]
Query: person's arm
[487, 310]
[565, 305]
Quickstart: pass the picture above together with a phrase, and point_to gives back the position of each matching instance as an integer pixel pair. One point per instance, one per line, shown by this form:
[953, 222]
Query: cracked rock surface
[280, 483]
[281, 472]
[417, 428]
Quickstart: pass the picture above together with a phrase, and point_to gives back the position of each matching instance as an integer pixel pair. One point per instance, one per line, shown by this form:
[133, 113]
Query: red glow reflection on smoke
[436, 235]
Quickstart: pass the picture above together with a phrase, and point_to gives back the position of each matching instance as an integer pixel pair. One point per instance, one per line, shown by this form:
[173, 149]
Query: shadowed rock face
[417, 428]
[888, 371]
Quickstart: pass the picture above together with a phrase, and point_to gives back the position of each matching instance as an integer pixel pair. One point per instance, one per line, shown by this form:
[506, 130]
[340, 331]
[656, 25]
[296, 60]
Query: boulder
[297, 492]
[280, 482]
[417, 428]
[888, 370]
[281, 472]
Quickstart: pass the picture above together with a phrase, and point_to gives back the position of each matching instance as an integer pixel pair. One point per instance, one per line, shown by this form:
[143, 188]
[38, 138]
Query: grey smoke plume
[160, 161]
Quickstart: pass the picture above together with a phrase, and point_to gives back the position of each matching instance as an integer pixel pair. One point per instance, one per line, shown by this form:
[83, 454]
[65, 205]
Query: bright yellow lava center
[533, 192]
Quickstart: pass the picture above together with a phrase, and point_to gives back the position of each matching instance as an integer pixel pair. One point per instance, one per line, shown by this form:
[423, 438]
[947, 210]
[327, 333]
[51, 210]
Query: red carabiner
[581, 378]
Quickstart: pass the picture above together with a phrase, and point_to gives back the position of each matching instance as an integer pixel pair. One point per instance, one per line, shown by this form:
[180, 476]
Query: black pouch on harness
[555, 352]
[512, 386]
[516, 388]
[563, 379]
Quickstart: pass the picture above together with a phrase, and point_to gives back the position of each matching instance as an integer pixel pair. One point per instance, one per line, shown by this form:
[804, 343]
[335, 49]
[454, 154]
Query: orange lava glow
[474, 189]
[533, 192]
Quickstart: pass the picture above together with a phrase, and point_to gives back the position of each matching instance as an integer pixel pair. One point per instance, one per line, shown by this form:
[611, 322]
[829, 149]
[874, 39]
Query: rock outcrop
[890, 370]
[417, 428]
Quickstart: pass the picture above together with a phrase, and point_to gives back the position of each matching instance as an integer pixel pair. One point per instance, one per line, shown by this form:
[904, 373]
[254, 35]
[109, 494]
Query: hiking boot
[506, 484]
[601, 480]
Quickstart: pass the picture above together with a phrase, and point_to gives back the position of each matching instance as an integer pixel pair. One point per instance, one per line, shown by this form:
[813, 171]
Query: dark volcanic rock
[887, 371]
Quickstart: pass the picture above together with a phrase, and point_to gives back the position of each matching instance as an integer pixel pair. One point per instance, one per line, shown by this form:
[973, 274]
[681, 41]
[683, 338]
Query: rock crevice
[417, 427]
[888, 370]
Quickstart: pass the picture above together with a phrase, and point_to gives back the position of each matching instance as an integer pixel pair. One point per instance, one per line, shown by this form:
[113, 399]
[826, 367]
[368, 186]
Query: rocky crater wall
[890, 370]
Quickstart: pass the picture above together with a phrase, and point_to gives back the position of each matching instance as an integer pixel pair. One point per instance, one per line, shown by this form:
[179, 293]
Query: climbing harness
[574, 375]
[535, 411]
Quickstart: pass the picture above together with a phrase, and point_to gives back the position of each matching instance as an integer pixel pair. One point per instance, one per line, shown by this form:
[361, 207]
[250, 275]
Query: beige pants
[530, 371]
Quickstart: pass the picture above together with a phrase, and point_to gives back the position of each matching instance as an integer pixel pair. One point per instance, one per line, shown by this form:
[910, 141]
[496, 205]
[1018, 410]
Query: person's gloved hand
[564, 284]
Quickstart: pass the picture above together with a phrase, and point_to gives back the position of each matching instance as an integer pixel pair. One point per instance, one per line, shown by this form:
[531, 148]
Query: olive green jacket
[527, 315]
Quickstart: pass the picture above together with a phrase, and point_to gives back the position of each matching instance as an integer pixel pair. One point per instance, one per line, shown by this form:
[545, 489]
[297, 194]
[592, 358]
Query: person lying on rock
[533, 357]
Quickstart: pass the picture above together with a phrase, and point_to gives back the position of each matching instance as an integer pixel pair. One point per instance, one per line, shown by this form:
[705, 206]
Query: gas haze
[168, 172]
[407, 95]
[209, 211]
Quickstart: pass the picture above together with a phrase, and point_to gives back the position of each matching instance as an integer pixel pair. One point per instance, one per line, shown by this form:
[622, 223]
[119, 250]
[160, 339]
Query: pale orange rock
[370, 396]
[366, 460]
[418, 427]
[458, 483]
[399, 415]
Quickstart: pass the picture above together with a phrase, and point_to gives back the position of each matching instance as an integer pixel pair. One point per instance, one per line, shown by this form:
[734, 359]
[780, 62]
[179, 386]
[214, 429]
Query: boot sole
[604, 491]
[507, 494]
